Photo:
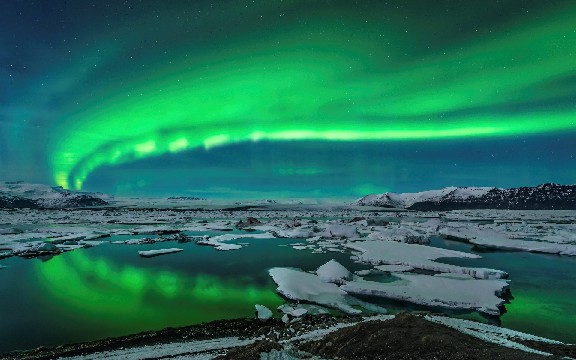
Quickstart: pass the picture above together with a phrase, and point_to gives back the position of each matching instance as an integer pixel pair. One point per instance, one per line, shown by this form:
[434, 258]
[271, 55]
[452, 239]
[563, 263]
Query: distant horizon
[221, 198]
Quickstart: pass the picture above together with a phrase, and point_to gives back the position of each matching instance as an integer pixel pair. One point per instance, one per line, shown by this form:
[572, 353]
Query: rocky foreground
[404, 336]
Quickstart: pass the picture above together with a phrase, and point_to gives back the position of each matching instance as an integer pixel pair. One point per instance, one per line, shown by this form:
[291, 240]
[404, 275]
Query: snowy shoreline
[272, 339]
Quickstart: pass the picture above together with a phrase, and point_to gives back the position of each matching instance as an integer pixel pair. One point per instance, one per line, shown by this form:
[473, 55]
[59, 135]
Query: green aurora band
[298, 84]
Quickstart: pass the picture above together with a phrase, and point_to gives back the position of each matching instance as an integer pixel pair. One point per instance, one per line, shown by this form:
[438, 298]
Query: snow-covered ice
[298, 310]
[333, 272]
[393, 268]
[441, 291]
[493, 238]
[298, 285]
[219, 241]
[418, 257]
[262, 312]
[152, 253]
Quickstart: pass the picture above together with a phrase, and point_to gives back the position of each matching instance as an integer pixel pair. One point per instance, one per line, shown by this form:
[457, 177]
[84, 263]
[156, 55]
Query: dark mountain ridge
[548, 196]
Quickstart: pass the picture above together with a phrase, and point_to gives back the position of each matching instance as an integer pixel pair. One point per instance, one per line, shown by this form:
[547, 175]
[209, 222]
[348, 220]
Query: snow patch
[493, 334]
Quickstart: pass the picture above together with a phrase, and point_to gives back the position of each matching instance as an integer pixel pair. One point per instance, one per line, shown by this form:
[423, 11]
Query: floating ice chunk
[401, 235]
[442, 291]
[418, 257]
[364, 272]
[299, 285]
[142, 241]
[498, 240]
[263, 312]
[393, 268]
[302, 309]
[294, 311]
[340, 231]
[35, 249]
[294, 233]
[152, 253]
[333, 272]
[218, 241]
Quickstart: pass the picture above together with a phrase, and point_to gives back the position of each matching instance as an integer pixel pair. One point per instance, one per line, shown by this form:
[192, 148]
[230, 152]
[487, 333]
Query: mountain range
[18, 194]
[542, 197]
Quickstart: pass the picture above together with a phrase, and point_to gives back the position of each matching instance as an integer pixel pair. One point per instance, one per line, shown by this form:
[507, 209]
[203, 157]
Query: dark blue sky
[287, 98]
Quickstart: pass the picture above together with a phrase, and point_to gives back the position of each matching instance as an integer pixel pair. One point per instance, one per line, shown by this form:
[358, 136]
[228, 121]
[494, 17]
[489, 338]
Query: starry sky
[287, 98]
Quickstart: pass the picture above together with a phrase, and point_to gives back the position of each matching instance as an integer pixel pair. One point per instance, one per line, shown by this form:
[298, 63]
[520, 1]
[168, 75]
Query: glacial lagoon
[108, 290]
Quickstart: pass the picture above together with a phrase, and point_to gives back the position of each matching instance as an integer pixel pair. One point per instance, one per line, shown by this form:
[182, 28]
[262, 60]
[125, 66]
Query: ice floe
[436, 291]
[298, 285]
[418, 257]
[298, 310]
[152, 253]
[262, 312]
[393, 268]
[219, 241]
[491, 238]
[404, 235]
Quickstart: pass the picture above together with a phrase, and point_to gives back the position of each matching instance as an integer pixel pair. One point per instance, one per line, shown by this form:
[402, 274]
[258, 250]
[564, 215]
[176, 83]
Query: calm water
[543, 287]
[109, 290]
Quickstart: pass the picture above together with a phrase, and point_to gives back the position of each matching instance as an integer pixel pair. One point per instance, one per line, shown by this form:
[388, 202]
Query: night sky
[264, 98]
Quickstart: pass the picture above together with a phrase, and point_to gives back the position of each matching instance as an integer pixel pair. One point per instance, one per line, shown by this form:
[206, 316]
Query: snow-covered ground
[210, 349]
[199, 350]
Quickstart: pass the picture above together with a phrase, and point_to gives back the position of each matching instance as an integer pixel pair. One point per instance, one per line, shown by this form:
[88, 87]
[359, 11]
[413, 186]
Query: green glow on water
[347, 84]
[531, 310]
[542, 287]
[144, 298]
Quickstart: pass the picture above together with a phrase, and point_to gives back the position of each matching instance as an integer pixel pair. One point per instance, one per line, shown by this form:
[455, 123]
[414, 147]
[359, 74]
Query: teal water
[109, 290]
[543, 289]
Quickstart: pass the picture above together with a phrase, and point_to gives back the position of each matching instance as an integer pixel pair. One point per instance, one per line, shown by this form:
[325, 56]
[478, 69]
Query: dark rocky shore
[405, 337]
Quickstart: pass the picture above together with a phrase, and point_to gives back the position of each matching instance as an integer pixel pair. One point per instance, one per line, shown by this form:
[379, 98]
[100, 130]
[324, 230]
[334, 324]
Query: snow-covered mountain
[541, 197]
[19, 194]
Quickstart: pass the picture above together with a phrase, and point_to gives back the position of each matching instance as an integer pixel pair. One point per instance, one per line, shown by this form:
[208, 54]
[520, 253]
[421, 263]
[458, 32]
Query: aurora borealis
[287, 98]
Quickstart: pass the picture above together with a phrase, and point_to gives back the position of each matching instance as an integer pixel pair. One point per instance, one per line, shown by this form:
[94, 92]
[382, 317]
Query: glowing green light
[145, 148]
[176, 145]
[100, 289]
[275, 88]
